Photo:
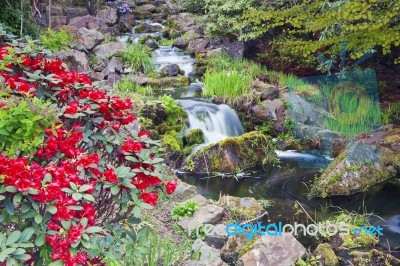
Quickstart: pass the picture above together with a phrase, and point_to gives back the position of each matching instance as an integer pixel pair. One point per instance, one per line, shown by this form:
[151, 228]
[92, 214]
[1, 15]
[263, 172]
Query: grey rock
[148, 28]
[261, 114]
[234, 49]
[208, 214]
[147, 8]
[89, 38]
[256, 257]
[88, 22]
[127, 22]
[151, 44]
[55, 10]
[58, 21]
[108, 50]
[185, 190]
[172, 70]
[230, 251]
[200, 200]
[96, 76]
[140, 79]
[108, 15]
[218, 236]
[113, 78]
[180, 43]
[198, 45]
[270, 94]
[74, 59]
[73, 12]
[208, 255]
[114, 66]
[172, 9]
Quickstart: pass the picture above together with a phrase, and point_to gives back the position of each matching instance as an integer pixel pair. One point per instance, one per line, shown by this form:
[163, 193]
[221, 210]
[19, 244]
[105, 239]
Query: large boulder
[209, 256]
[363, 164]
[108, 15]
[231, 154]
[198, 45]
[171, 70]
[180, 43]
[126, 22]
[88, 22]
[114, 66]
[274, 250]
[148, 28]
[89, 38]
[73, 12]
[74, 59]
[207, 214]
[234, 49]
[108, 50]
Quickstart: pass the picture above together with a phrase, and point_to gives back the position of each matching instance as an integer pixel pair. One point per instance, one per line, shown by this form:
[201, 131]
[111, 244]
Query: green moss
[325, 251]
[247, 246]
[193, 137]
[172, 142]
[169, 82]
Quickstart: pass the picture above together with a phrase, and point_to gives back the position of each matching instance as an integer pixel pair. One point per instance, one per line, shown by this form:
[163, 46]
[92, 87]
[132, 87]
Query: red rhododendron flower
[111, 176]
[170, 186]
[150, 197]
[74, 233]
[131, 146]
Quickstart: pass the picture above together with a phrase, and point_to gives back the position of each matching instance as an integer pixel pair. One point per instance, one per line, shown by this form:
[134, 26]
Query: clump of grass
[166, 42]
[126, 86]
[138, 57]
[226, 84]
[392, 111]
[183, 210]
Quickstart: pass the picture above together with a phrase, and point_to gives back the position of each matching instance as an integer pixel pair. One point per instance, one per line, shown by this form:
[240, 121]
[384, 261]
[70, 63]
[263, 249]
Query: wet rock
[234, 248]
[170, 82]
[126, 22]
[140, 79]
[197, 45]
[151, 44]
[114, 66]
[108, 15]
[78, 61]
[274, 250]
[148, 28]
[328, 256]
[180, 43]
[363, 164]
[247, 207]
[73, 12]
[171, 70]
[88, 22]
[108, 50]
[193, 137]
[231, 154]
[89, 38]
[208, 214]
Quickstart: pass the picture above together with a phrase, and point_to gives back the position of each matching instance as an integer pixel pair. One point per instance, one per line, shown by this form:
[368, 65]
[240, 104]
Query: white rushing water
[167, 55]
[216, 121]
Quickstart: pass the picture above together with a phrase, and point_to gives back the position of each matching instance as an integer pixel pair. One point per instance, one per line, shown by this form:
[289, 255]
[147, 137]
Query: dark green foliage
[185, 209]
[56, 40]
[10, 18]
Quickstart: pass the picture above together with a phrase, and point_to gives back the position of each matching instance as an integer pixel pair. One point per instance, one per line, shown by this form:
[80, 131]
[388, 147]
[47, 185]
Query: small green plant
[166, 42]
[182, 210]
[110, 39]
[392, 111]
[126, 86]
[138, 57]
[309, 261]
[93, 60]
[56, 40]
[22, 125]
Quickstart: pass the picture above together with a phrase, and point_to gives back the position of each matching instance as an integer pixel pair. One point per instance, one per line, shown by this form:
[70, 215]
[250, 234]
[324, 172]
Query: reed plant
[392, 111]
[138, 57]
[226, 84]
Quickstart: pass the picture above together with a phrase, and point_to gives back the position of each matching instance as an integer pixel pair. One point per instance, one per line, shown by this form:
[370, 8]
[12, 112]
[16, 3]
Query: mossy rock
[232, 154]
[193, 137]
[349, 176]
[373, 257]
[326, 252]
[169, 82]
[244, 208]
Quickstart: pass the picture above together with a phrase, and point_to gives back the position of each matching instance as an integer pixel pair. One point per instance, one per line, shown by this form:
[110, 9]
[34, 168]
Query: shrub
[193, 6]
[23, 123]
[74, 200]
[185, 209]
[138, 56]
[56, 40]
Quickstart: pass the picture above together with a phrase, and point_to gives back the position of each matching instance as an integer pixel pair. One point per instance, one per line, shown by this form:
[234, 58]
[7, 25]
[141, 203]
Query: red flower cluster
[68, 160]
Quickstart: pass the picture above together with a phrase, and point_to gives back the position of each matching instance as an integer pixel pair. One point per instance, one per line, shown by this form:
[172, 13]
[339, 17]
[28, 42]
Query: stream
[283, 185]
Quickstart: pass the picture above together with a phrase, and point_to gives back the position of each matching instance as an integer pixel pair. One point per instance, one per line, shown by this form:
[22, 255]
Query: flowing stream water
[283, 185]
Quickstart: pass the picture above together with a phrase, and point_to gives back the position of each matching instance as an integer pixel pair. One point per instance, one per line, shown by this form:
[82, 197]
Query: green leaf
[93, 229]
[11, 189]
[89, 197]
[38, 218]
[47, 178]
[115, 190]
[40, 240]
[9, 207]
[13, 237]
[51, 209]
[56, 263]
[27, 234]
[66, 224]
[76, 196]
[17, 198]
[134, 220]
[85, 188]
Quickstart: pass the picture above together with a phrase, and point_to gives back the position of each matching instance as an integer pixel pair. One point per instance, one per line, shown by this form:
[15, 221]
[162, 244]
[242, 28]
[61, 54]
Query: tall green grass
[138, 57]
[229, 78]
[126, 87]
[392, 111]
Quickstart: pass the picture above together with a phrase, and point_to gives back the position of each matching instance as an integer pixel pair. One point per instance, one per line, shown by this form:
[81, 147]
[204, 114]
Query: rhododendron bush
[72, 201]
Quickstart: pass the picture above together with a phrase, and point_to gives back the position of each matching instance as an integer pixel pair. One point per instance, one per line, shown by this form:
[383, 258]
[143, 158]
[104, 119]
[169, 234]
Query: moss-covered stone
[326, 252]
[243, 208]
[345, 177]
[233, 154]
[193, 137]
[169, 82]
[373, 257]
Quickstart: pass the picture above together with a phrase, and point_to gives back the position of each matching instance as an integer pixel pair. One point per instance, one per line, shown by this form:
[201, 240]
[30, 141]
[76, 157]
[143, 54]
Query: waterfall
[217, 121]
[166, 55]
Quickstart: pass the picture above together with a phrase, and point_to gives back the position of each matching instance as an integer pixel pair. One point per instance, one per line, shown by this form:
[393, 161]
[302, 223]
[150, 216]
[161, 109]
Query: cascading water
[216, 121]
[166, 55]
